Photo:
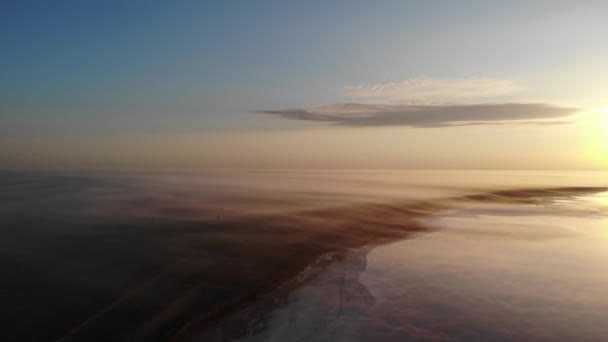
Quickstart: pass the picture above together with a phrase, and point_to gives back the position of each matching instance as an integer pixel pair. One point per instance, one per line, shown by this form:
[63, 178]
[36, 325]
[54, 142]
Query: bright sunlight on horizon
[397, 85]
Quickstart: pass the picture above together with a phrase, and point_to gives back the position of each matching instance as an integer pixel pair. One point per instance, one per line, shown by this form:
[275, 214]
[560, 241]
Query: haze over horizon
[271, 84]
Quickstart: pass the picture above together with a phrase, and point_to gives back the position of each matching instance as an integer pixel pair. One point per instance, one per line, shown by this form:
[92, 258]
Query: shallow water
[488, 272]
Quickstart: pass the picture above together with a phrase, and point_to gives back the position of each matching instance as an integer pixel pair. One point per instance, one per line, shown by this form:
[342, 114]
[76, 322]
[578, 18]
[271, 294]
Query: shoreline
[412, 211]
[185, 275]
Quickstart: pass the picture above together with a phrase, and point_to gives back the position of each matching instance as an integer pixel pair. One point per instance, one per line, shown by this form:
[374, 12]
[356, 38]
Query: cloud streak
[433, 90]
[426, 116]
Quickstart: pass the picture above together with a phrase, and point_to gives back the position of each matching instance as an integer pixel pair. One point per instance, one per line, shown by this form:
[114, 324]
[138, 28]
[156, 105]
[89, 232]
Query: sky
[307, 84]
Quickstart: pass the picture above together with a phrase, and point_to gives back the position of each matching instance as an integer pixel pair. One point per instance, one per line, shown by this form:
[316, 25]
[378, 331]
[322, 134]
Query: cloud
[431, 90]
[432, 102]
[373, 115]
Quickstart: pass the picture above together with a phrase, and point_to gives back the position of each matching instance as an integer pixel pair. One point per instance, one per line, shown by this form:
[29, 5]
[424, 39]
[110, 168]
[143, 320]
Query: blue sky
[106, 68]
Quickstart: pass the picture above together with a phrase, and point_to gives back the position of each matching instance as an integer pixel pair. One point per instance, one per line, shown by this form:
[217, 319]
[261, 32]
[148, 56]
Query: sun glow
[604, 127]
[596, 137]
[602, 132]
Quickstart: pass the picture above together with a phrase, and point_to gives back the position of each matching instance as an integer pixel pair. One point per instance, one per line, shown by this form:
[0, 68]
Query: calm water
[211, 255]
[488, 272]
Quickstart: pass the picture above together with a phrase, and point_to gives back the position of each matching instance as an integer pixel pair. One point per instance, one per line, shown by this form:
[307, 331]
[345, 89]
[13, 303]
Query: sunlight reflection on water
[537, 274]
[490, 272]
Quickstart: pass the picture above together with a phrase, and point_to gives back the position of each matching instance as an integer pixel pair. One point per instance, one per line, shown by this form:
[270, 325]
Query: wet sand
[332, 307]
[494, 271]
[229, 263]
[252, 256]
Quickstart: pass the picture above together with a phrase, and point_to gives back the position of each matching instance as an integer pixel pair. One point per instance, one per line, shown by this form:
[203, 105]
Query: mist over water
[487, 272]
[144, 256]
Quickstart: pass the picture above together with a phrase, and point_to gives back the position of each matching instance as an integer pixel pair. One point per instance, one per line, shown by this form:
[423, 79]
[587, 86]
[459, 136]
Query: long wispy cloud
[433, 90]
[426, 102]
[363, 115]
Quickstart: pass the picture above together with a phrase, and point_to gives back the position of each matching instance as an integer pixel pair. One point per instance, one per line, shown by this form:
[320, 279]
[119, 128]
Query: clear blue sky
[103, 68]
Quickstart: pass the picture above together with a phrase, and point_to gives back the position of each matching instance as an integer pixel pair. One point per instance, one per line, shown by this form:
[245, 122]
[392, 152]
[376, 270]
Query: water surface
[211, 255]
[487, 272]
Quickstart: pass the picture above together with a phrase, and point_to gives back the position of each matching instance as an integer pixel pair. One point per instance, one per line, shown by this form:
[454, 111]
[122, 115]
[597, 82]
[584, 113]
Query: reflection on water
[488, 273]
